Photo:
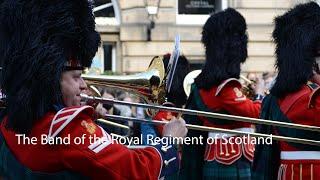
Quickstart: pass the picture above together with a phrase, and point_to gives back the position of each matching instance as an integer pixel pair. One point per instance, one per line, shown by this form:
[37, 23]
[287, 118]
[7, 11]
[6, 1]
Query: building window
[109, 56]
[106, 12]
[104, 61]
[198, 11]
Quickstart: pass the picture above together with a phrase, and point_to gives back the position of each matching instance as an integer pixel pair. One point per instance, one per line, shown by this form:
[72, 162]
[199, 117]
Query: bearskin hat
[225, 41]
[296, 35]
[39, 38]
[177, 96]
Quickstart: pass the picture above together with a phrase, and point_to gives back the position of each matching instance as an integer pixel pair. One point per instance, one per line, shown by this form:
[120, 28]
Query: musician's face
[72, 85]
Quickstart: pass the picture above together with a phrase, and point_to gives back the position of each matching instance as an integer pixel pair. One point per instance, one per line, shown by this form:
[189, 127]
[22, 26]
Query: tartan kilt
[239, 170]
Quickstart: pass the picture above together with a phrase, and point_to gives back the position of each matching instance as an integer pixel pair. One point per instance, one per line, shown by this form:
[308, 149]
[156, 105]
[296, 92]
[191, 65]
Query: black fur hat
[177, 96]
[296, 35]
[41, 37]
[225, 40]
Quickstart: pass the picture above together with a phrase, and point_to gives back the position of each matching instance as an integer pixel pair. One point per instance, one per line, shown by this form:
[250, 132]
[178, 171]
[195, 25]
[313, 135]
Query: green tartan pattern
[239, 170]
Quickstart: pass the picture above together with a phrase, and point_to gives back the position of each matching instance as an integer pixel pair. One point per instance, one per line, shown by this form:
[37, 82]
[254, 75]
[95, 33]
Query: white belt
[300, 155]
[225, 135]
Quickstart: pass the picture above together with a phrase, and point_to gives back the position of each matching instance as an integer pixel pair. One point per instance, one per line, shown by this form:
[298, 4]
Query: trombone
[213, 115]
[149, 85]
[209, 129]
[141, 84]
[113, 124]
[204, 114]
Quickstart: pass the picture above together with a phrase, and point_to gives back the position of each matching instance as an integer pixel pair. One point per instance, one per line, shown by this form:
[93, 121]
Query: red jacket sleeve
[234, 101]
[106, 159]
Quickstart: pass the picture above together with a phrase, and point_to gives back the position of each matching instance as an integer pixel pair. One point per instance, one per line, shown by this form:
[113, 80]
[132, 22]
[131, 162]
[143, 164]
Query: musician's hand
[101, 111]
[259, 88]
[175, 128]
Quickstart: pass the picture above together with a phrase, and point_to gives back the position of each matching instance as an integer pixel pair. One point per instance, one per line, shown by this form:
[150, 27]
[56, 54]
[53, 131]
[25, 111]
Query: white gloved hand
[175, 128]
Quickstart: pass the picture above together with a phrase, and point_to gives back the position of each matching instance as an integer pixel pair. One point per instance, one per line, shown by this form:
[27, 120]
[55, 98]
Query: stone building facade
[126, 49]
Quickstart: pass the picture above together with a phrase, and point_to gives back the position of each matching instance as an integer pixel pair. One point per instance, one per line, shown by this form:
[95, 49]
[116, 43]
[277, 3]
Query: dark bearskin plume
[177, 96]
[40, 37]
[296, 35]
[225, 41]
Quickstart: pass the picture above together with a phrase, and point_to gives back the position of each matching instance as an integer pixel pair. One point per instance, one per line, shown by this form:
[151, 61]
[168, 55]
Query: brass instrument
[113, 124]
[147, 85]
[189, 79]
[142, 84]
[212, 115]
[205, 114]
[248, 89]
[221, 130]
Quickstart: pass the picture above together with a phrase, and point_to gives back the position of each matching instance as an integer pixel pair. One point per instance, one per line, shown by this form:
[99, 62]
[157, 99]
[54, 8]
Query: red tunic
[302, 107]
[97, 159]
[228, 97]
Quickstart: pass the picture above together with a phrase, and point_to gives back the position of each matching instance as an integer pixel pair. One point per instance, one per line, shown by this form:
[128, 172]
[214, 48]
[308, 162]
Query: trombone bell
[148, 85]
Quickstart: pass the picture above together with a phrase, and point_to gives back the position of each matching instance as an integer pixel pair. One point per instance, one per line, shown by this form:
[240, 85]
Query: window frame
[111, 20]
